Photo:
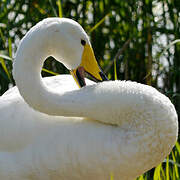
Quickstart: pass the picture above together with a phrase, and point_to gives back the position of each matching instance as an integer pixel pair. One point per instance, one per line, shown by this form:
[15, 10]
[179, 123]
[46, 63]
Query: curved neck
[85, 102]
[27, 67]
[93, 101]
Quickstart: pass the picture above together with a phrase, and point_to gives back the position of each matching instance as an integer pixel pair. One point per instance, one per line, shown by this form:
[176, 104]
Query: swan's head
[73, 49]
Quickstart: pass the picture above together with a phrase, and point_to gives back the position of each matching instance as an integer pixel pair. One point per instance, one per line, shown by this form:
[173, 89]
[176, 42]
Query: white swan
[114, 127]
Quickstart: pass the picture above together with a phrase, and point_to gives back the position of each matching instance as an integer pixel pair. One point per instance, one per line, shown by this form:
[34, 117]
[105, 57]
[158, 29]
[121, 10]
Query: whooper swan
[52, 130]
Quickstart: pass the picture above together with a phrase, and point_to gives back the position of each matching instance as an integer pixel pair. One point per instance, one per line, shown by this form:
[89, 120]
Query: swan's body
[119, 128]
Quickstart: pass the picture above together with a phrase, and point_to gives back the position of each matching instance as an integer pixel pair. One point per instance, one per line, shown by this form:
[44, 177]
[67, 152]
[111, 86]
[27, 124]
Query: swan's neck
[27, 68]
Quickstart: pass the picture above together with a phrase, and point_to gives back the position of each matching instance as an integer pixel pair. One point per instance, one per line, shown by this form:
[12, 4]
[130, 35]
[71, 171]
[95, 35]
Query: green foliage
[147, 32]
[168, 169]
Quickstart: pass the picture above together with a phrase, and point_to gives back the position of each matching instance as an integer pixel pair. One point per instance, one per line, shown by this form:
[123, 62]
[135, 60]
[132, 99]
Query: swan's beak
[88, 66]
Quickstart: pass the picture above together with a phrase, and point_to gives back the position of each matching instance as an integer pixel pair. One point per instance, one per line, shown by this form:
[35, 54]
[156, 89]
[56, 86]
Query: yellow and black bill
[88, 67]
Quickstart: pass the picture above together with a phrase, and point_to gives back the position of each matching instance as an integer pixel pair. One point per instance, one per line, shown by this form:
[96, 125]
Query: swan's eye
[83, 42]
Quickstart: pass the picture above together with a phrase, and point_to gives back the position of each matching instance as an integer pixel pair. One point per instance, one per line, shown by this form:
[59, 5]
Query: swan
[50, 129]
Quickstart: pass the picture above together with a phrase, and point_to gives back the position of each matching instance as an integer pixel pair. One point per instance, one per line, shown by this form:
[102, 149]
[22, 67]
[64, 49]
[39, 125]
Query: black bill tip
[80, 76]
[103, 76]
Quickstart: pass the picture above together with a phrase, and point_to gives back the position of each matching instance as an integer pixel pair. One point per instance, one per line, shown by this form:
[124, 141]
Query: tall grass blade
[172, 162]
[163, 173]
[60, 8]
[141, 177]
[2, 37]
[2, 57]
[115, 70]
[175, 166]
[5, 68]
[100, 22]
[174, 174]
[167, 168]
[178, 147]
[5, 57]
[111, 176]
[10, 47]
[157, 173]
[50, 72]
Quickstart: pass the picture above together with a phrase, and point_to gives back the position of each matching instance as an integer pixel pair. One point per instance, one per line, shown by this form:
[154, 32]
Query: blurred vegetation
[134, 40]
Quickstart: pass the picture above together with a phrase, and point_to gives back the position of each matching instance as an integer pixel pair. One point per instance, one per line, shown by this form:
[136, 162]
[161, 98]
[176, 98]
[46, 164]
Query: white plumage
[116, 127]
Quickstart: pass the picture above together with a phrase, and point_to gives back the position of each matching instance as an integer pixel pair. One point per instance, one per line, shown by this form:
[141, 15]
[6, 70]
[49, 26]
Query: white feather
[117, 127]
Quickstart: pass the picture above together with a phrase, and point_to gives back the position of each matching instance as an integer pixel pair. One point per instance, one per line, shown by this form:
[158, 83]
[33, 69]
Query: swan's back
[23, 122]
[40, 146]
